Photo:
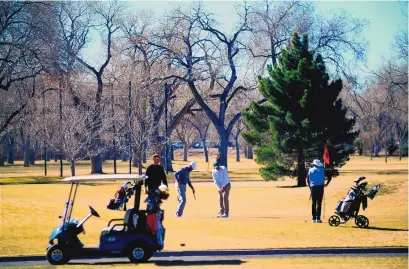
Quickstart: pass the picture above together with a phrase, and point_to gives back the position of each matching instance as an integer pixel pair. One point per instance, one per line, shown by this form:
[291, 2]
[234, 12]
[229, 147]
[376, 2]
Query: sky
[385, 20]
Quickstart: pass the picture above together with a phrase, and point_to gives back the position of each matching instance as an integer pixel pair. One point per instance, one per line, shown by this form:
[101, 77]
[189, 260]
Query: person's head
[156, 159]
[192, 166]
[216, 165]
[317, 163]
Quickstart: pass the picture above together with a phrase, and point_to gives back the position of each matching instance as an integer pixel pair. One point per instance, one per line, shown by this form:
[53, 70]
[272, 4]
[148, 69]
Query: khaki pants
[224, 200]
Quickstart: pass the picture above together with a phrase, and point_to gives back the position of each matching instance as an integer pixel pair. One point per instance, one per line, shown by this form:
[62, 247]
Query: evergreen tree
[302, 114]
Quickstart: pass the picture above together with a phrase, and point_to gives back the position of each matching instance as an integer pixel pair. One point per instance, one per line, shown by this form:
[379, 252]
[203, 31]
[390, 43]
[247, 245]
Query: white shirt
[220, 177]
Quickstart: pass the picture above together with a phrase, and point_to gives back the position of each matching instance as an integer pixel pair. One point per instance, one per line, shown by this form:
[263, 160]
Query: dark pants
[317, 193]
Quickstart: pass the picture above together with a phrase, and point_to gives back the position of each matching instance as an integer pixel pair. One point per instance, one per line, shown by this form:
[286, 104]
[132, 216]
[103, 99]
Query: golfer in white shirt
[222, 181]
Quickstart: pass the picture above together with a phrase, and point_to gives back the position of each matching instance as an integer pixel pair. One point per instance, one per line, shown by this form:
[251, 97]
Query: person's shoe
[318, 221]
[314, 220]
[220, 215]
[177, 216]
[225, 215]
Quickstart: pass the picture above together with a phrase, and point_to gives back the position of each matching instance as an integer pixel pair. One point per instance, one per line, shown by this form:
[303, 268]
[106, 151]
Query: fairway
[263, 214]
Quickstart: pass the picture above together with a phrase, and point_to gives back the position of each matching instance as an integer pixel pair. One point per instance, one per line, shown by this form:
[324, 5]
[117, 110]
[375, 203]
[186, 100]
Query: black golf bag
[350, 205]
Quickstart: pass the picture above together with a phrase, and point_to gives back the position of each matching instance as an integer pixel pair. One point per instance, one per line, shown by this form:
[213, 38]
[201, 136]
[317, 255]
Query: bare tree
[239, 127]
[26, 29]
[335, 36]
[185, 132]
[201, 123]
[154, 67]
[205, 56]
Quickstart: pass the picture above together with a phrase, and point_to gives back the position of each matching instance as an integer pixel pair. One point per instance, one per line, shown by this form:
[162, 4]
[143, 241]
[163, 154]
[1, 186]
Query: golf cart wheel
[57, 255]
[334, 220]
[362, 221]
[138, 253]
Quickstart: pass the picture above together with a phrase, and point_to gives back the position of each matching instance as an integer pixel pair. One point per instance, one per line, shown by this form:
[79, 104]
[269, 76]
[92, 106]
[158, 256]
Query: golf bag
[155, 215]
[121, 197]
[349, 206]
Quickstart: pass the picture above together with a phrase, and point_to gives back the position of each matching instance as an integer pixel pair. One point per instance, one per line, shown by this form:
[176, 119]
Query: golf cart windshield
[75, 181]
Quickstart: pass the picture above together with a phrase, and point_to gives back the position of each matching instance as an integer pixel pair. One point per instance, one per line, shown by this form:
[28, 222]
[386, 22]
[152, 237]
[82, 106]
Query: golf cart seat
[119, 227]
[128, 222]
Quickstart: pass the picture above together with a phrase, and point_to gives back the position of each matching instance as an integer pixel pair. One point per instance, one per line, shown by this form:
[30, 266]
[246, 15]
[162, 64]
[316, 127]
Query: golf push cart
[137, 236]
[349, 206]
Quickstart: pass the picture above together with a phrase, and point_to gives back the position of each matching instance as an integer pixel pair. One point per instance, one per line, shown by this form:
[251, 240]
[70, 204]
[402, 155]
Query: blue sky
[386, 19]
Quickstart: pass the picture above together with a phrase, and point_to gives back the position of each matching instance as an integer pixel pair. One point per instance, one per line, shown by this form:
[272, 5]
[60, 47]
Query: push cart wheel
[138, 253]
[334, 220]
[362, 221]
[57, 255]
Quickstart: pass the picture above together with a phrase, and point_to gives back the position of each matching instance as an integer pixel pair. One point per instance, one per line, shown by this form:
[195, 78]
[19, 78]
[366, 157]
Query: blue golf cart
[127, 237]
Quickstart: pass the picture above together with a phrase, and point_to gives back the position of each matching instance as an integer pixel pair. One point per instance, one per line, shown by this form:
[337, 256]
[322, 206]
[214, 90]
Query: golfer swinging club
[315, 180]
[181, 179]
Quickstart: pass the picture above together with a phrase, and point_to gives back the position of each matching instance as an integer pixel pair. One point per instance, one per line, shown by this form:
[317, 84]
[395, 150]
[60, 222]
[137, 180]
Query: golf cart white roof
[122, 177]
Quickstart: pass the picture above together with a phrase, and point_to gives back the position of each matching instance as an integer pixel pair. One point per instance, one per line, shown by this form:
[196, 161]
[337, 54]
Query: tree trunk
[2, 151]
[250, 152]
[206, 150]
[10, 149]
[145, 149]
[172, 153]
[386, 154]
[72, 166]
[96, 164]
[114, 155]
[27, 152]
[33, 154]
[32, 157]
[169, 161]
[237, 149]
[223, 149]
[1, 156]
[135, 159]
[185, 151]
[301, 169]
[400, 151]
[140, 163]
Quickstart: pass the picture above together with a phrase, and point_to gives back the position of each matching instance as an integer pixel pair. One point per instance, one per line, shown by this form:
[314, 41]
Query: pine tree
[303, 113]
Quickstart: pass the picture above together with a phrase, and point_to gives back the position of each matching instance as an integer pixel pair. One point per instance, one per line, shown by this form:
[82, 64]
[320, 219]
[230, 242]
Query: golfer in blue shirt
[181, 180]
[315, 180]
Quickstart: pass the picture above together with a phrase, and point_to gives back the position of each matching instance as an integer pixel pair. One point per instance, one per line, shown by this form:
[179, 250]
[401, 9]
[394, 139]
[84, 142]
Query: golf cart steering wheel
[93, 212]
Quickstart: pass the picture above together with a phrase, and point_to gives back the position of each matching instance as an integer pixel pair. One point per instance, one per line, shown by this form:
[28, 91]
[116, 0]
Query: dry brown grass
[263, 214]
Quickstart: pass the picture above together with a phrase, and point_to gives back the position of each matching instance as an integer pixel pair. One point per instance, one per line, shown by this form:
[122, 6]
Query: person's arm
[164, 178]
[329, 176]
[190, 184]
[307, 179]
[146, 180]
[215, 180]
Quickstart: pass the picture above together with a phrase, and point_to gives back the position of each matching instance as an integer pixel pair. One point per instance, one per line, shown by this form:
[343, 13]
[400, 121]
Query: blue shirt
[182, 176]
[316, 176]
